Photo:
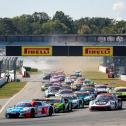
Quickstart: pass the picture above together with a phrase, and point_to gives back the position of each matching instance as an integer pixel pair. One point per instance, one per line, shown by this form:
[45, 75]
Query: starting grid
[63, 51]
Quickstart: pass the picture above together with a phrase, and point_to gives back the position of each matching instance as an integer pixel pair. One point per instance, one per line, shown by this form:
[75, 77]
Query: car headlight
[91, 102]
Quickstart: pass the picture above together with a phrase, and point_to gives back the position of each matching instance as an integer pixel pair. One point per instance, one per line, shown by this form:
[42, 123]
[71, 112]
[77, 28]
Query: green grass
[34, 72]
[102, 78]
[10, 89]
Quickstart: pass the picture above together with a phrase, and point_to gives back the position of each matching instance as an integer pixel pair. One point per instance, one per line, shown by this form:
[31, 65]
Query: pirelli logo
[97, 51]
[36, 51]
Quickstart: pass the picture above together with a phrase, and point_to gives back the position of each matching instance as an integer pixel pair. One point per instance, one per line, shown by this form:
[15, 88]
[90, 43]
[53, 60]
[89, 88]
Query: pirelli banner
[36, 51]
[97, 51]
[63, 51]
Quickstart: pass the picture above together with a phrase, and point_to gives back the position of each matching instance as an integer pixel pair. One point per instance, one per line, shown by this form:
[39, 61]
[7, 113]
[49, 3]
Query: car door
[44, 109]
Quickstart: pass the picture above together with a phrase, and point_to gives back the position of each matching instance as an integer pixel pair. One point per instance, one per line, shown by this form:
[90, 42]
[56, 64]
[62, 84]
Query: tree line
[40, 23]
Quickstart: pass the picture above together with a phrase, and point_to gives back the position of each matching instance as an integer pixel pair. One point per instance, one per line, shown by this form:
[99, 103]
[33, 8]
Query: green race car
[59, 104]
[120, 92]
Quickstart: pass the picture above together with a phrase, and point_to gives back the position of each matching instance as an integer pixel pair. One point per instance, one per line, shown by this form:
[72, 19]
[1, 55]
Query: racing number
[44, 110]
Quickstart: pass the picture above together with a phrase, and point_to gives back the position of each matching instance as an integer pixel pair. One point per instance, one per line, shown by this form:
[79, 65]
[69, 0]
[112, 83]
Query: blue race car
[29, 109]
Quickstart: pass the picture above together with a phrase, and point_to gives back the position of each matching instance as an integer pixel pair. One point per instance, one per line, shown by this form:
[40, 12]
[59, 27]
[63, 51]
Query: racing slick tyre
[120, 105]
[32, 113]
[90, 109]
[50, 111]
[7, 116]
[63, 109]
[70, 108]
[80, 105]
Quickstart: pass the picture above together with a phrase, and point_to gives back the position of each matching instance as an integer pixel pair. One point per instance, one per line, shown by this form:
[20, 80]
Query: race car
[60, 104]
[88, 82]
[106, 101]
[29, 109]
[63, 92]
[76, 86]
[86, 96]
[51, 91]
[120, 92]
[68, 80]
[76, 102]
[100, 89]
[78, 73]
[45, 86]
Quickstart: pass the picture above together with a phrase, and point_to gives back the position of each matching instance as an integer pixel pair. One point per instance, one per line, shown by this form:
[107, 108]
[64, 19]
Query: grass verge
[9, 89]
[102, 78]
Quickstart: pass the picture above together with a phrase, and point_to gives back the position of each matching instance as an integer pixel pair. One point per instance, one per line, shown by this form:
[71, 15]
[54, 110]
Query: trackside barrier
[102, 69]
[123, 77]
[2, 81]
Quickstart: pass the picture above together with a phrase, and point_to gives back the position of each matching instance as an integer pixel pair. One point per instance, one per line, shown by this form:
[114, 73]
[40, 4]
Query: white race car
[106, 101]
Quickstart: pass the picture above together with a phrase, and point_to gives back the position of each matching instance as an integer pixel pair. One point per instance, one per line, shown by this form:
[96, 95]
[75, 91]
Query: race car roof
[106, 94]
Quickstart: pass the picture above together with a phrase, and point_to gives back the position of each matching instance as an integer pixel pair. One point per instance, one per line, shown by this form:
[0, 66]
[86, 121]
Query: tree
[7, 27]
[53, 27]
[40, 17]
[23, 24]
[66, 20]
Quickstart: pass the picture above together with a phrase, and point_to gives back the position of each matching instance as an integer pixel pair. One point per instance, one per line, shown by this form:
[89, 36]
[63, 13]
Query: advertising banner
[36, 51]
[97, 51]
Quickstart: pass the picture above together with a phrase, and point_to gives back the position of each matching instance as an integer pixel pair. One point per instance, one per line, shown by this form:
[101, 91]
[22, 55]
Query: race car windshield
[101, 87]
[66, 92]
[86, 90]
[72, 98]
[24, 105]
[66, 87]
[104, 98]
[53, 101]
[121, 90]
[54, 89]
[78, 84]
[83, 95]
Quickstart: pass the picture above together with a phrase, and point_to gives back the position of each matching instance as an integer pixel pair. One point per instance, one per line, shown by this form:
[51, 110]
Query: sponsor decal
[97, 51]
[36, 51]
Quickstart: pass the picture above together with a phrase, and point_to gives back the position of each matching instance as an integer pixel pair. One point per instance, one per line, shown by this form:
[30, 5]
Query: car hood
[100, 89]
[17, 109]
[57, 104]
[75, 101]
[88, 97]
[101, 102]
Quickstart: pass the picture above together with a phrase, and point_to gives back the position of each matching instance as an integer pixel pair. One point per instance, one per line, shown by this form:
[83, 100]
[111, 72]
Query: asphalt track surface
[79, 117]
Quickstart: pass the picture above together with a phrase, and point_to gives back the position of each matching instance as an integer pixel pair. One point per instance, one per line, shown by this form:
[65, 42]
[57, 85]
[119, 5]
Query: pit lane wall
[102, 69]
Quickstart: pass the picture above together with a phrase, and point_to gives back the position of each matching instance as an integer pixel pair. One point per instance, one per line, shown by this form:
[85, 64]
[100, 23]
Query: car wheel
[90, 109]
[120, 105]
[32, 113]
[63, 108]
[70, 107]
[7, 116]
[80, 104]
[109, 108]
[50, 111]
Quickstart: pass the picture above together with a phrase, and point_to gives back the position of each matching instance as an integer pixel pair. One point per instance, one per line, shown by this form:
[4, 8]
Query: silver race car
[106, 101]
